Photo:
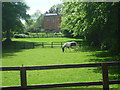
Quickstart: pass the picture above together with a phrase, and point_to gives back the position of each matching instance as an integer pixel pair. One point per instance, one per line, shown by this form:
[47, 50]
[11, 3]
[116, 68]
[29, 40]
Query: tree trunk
[8, 39]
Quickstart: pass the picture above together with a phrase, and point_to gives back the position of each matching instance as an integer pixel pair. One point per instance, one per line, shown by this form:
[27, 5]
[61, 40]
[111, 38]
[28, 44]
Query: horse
[69, 45]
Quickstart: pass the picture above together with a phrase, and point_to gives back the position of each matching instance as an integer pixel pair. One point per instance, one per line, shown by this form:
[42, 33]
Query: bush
[20, 36]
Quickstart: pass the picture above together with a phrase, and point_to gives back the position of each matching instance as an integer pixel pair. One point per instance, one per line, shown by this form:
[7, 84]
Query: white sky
[41, 5]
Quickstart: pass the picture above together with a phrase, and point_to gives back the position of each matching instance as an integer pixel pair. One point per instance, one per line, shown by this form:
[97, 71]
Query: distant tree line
[99, 22]
[35, 23]
[55, 9]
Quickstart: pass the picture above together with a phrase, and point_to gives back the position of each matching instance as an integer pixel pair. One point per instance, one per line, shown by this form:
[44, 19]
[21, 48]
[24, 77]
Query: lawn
[46, 39]
[47, 56]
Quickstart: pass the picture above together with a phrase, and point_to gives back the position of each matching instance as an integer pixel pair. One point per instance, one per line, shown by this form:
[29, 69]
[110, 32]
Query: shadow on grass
[8, 49]
[104, 56]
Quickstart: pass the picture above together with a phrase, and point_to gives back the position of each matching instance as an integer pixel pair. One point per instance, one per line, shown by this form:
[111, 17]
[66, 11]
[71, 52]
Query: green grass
[47, 56]
[44, 56]
[46, 39]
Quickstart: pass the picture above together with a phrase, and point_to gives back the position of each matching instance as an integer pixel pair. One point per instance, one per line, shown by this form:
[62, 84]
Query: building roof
[51, 14]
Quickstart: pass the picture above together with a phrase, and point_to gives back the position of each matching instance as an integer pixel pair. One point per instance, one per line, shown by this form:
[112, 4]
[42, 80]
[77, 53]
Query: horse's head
[73, 44]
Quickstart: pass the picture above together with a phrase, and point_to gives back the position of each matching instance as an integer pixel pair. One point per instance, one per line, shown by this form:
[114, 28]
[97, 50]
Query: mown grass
[45, 56]
[46, 39]
[48, 56]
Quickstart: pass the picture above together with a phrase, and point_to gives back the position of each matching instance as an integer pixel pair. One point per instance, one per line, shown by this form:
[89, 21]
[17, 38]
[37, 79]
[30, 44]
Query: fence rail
[28, 45]
[53, 44]
[60, 85]
[23, 75]
[58, 66]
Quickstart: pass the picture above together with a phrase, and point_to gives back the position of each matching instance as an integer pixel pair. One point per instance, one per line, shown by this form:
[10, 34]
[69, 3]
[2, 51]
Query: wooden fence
[23, 75]
[51, 44]
[28, 45]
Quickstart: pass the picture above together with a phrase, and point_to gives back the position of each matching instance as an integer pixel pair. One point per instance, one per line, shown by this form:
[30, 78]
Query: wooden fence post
[15, 45]
[24, 45]
[33, 45]
[23, 77]
[43, 44]
[61, 44]
[51, 44]
[105, 76]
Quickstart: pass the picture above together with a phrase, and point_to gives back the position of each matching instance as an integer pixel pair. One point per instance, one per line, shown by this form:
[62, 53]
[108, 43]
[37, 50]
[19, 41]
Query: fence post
[43, 44]
[33, 45]
[105, 76]
[51, 44]
[15, 45]
[61, 44]
[23, 77]
[24, 45]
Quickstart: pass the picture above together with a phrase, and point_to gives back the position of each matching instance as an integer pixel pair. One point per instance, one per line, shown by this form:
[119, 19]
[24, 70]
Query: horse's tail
[63, 49]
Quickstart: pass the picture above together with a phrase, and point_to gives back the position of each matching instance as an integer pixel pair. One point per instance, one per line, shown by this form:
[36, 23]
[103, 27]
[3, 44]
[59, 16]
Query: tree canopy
[12, 13]
[55, 9]
[35, 22]
[97, 21]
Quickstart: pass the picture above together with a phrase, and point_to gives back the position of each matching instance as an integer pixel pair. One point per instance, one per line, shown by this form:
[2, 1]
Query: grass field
[48, 56]
[46, 39]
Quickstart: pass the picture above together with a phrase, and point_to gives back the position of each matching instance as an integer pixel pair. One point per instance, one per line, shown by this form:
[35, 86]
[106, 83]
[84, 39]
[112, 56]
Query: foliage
[20, 35]
[97, 21]
[35, 22]
[38, 35]
[12, 13]
[55, 9]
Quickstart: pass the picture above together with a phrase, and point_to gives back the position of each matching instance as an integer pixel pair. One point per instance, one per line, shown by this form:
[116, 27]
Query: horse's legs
[68, 49]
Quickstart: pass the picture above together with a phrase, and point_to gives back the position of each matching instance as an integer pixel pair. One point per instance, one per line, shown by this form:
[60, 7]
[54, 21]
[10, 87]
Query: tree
[12, 12]
[35, 22]
[55, 9]
[97, 21]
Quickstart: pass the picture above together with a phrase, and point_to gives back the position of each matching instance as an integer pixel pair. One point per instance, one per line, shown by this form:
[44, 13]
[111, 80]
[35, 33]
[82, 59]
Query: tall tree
[98, 22]
[12, 12]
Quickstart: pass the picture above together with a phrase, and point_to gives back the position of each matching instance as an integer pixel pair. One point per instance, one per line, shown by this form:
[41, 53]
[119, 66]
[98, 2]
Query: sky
[41, 5]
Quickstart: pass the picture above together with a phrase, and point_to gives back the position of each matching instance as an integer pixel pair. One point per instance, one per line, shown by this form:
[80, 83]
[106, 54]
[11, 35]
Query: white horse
[69, 45]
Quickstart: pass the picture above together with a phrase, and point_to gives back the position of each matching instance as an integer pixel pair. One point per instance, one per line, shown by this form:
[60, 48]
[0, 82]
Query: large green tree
[12, 14]
[97, 21]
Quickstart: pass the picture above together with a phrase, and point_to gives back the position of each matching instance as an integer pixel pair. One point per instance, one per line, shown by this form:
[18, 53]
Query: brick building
[52, 22]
